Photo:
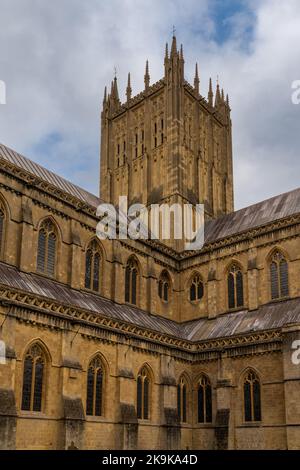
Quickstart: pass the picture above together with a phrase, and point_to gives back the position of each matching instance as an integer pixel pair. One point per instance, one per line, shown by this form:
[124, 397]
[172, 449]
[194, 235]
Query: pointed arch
[47, 247]
[3, 223]
[96, 374]
[182, 398]
[34, 372]
[196, 287]
[164, 286]
[235, 285]
[204, 399]
[279, 274]
[93, 265]
[132, 280]
[143, 399]
[251, 395]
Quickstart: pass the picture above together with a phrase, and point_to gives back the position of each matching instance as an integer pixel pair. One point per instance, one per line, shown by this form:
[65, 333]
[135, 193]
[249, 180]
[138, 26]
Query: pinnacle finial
[222, 95]
[116, 88]
[210, 93]
[174, 47]
[128, 89]
[181, 52]
[218, 94]
[147, 76]
[196, 80]
[105, 96]
[167, 52]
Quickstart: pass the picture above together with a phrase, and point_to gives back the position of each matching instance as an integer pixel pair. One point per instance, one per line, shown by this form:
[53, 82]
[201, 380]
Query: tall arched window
[143, 393]
[46, 255]
[182, 400]
[33, 379]
[204, 400]
[92, 266]
[279, 276]
[164, 286]
[131, 281]
[252, 402]
[2, 220]
[196, 288]
[94, 394]
[235, 287]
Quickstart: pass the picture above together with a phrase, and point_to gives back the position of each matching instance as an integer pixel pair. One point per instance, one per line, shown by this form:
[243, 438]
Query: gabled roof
[267, 317]
[257, 215]
[48, 176]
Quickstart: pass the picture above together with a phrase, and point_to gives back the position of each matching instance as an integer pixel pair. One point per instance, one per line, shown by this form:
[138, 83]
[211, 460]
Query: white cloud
[56, 57]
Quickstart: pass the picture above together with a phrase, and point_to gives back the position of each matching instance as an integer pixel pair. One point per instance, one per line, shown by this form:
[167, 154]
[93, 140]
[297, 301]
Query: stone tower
[168, 144]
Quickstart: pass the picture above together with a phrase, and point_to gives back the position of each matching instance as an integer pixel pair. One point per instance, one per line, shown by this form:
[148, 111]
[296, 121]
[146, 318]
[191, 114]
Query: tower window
[279, 276]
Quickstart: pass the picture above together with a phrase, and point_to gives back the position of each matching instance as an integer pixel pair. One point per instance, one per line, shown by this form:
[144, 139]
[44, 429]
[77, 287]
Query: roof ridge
[46, 174]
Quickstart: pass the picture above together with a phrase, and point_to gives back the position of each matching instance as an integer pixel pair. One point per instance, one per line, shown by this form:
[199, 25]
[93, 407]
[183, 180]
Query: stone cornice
[60, 311]
[36, 182]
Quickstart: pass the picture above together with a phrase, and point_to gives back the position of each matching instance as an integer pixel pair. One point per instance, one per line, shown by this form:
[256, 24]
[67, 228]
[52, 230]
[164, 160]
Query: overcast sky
[56, 57]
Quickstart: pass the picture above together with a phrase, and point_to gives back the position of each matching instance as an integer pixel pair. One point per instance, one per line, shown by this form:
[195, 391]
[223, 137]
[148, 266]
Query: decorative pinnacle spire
[167, 52]
[181, 52]
[210, 93]
[174, 46]
[196, 80]
[147, 76]
[218, 95]
[227, 100]
[105, 96]
[128, 89]
[116, 88]
[222, 95]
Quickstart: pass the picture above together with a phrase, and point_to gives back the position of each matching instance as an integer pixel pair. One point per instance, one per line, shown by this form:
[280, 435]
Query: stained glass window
[94, 395]
[92, 266]
[33, 379]
[204, 400]
[252, 403]
[182, 400]
[46, 254]
[235, 287]
[143, 394]
[164, 286]
[196, 289]
[279, 276]
[131, 282]
[1, 228]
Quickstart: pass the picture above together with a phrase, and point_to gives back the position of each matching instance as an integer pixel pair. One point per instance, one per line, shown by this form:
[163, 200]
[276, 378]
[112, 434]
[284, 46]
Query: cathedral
[140, 344]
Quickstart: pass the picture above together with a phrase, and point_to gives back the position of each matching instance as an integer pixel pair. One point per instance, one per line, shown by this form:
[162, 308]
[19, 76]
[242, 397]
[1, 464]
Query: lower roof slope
[267, 317]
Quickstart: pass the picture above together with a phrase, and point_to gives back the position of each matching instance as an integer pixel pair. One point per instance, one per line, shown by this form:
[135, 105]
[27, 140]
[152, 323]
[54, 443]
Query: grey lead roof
[250, 217]
[270, 316]
[46, 175]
